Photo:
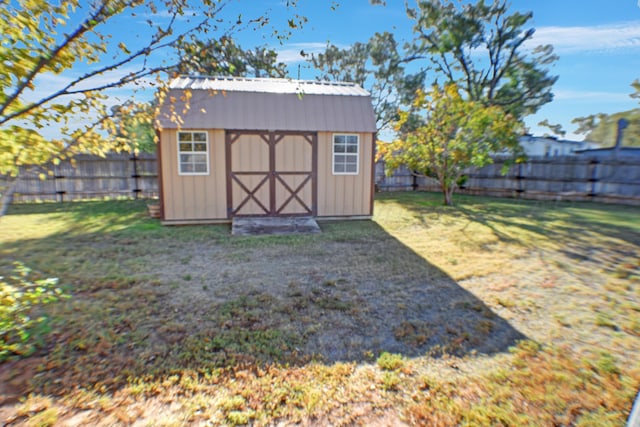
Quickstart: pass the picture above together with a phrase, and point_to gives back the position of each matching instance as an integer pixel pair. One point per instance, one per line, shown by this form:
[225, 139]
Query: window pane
[185, 158]
[185, 146]
[200, 167]
[199, 136]
[338, 168]
[352, 139]
[339, 148]
[184, 136]
[199, 158]
[199, 146]
[351, 168]
[352, 148]
[339, 139]
[186, 168]
[339, 158]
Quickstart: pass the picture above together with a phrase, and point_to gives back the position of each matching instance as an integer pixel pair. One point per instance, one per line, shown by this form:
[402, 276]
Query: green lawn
[491, 312]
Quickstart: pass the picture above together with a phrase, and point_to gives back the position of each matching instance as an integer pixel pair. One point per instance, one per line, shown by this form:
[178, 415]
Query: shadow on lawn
[579, 223]
[348, 294]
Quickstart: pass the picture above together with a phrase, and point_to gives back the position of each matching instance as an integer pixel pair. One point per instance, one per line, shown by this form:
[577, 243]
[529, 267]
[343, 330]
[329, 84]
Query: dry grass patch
[407, 319]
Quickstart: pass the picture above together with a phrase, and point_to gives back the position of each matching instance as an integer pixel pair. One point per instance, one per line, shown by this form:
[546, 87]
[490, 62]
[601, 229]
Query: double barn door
[271, 173]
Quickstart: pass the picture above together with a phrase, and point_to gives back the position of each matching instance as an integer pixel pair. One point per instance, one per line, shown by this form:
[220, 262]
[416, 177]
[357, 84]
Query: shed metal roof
[268, 85]
[268, 104]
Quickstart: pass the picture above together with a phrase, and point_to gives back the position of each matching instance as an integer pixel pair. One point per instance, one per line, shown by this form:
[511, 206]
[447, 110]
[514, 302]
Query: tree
[134, 126]
[602, 128]
[481, 48]
[456, 134]
[556, 129]
[56, 74]
[221, 57]
[224, 57]
[636, 87]
[376, 65]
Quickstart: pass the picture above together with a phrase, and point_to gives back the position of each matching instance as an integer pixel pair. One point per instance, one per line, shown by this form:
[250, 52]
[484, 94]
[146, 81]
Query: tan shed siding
[344, 195]
[193, 197]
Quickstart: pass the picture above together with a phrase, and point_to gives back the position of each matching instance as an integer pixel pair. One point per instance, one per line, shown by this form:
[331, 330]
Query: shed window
[193, 153]
[346, 149]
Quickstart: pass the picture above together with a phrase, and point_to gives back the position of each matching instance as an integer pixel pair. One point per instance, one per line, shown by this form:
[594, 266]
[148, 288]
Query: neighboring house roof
[268, 104]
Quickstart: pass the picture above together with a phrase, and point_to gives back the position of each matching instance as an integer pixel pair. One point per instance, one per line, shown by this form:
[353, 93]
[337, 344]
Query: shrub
[390, 381]
[21, 330]
[390, 362]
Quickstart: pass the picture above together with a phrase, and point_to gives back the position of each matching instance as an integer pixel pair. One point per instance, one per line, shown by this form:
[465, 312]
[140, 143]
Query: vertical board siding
[250, 164]
[294, 153]
[344, 195]
[270, 173]
[193, 197]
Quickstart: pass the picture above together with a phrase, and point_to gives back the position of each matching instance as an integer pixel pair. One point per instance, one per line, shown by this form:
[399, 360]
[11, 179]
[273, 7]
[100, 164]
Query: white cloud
[49, 83]
[290, 54]
[600, 96]
[607, 38]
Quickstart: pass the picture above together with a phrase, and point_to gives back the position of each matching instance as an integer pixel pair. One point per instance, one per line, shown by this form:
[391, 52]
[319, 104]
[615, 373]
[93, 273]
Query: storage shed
[231, 147]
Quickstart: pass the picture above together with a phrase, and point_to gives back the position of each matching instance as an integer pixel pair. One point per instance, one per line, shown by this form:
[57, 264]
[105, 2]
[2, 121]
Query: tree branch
[507, 65]
[88, 24]
[153, 46]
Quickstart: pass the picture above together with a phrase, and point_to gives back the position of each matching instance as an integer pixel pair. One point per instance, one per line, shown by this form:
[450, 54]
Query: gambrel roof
[268, 104]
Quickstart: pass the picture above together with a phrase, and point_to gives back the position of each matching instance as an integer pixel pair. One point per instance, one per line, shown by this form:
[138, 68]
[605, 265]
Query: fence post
[520, 177]
[593, 164]
[135, 176]
[56, 177]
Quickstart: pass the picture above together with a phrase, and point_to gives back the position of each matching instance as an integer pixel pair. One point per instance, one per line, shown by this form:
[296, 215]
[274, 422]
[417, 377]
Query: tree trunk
[447, 192]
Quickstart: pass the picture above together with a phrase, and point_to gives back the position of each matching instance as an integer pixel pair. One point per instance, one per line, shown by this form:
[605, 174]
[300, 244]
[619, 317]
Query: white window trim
[333, 154]
[178, 151]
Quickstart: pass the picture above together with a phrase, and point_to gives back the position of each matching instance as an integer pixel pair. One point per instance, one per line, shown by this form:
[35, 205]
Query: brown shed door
[271, 173]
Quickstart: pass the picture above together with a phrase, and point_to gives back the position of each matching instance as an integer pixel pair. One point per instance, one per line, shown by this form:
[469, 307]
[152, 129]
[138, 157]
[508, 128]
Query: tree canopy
[456, 134]
[224, 56]
[481, 47]
[602, 128]
[62, 60]
[376, 65]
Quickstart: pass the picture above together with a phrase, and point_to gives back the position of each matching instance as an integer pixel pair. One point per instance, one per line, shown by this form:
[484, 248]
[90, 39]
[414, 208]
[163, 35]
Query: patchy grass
[492, 312]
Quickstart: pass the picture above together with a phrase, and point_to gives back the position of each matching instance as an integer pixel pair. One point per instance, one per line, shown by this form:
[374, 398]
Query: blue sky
[598, 44]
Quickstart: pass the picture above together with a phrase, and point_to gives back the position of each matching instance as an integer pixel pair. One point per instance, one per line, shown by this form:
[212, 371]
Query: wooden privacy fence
[576, 178]
[561, 178]
[116, 175]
